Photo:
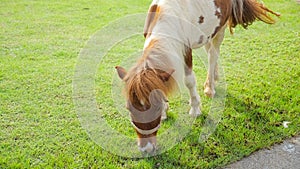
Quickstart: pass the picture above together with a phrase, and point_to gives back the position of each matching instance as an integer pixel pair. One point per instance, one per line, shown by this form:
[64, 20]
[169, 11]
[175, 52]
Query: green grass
[40, 43]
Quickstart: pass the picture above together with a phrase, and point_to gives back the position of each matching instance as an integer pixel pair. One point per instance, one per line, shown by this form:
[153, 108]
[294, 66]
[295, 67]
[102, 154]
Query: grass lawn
[40, 43]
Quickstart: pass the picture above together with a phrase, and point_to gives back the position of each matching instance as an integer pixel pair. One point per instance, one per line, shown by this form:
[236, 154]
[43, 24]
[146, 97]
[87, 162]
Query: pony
[173, 28]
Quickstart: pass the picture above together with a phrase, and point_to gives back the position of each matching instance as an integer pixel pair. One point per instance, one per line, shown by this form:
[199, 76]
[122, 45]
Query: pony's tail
[245, 12]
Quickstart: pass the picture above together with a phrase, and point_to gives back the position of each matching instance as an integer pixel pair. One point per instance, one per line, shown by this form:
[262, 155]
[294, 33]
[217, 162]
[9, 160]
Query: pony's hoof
[209, 92]
[195, 112]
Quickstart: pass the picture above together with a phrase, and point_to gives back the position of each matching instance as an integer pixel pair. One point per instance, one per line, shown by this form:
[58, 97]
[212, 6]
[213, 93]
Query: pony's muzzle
[149, 148]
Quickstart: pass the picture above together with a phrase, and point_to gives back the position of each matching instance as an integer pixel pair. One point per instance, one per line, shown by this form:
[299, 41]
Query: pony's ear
[165, 76]
[121, 72]
[149, 19]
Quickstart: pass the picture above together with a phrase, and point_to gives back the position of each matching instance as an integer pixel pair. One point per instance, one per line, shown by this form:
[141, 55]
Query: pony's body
[180, 20]
[172, 29]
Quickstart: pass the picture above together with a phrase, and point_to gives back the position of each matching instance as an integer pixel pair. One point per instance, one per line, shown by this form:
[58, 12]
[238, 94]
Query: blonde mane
[141, 84]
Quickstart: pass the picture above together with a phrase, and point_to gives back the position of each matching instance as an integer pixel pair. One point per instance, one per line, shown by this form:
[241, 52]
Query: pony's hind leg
[213, 51]
[190, 82]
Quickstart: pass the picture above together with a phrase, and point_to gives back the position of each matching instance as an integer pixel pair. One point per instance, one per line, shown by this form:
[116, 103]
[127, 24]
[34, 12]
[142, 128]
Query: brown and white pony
[172, 29]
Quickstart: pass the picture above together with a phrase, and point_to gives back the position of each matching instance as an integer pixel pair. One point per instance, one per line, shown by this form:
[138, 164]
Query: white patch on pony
[148, 148]
[155, 2]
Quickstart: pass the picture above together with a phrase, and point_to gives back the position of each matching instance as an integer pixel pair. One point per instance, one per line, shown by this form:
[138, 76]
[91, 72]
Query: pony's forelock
[141, 84]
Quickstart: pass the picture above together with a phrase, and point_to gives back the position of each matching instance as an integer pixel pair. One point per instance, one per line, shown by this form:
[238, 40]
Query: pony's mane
[141, 84]
[145, 76]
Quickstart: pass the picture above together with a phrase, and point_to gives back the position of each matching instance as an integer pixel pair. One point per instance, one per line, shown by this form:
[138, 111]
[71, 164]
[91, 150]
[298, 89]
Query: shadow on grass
[247, 125]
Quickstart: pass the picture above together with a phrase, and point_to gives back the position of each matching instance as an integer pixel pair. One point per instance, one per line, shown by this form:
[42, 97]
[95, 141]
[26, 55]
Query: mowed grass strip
[40, 42]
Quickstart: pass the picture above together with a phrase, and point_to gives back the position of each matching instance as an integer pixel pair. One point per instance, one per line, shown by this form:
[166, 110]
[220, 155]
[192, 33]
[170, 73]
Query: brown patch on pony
[225, 10]
[218, 14]
[147, 126]
[201, 39]
[188, 58]
[245, 12]
[151, 19]
[201, 19]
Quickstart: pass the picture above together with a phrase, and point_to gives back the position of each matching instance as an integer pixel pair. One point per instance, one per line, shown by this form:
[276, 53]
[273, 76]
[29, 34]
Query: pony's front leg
[190, 82]
[209, 85]
[213, 51]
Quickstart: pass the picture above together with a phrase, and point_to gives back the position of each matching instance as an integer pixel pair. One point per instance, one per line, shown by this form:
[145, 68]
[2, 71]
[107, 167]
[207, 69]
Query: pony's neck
[166, 54]
[161, 52]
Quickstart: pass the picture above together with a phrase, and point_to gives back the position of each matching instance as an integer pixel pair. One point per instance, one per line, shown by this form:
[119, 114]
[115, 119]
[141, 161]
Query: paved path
[281, 156]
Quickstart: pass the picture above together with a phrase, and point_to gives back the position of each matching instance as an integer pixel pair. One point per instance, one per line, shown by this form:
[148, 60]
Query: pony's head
[146, 92]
